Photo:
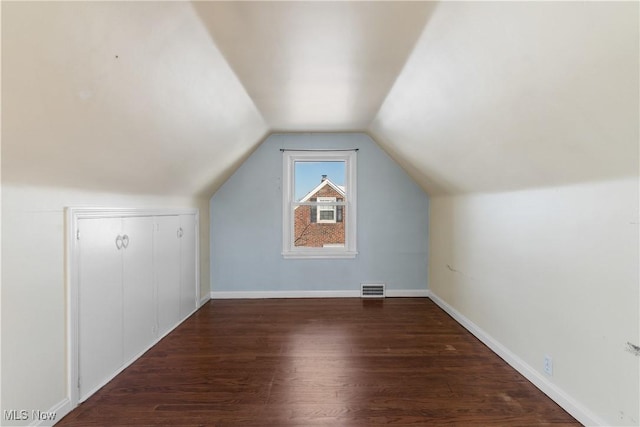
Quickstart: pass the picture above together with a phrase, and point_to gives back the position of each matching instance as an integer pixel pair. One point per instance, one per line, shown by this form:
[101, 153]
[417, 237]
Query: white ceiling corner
[316, 66]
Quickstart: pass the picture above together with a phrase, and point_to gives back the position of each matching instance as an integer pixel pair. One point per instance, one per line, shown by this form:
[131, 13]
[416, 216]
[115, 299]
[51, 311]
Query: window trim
[326, 208]
[289, 250]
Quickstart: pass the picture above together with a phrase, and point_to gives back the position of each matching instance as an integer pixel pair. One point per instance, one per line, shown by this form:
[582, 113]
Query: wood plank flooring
[319, 362]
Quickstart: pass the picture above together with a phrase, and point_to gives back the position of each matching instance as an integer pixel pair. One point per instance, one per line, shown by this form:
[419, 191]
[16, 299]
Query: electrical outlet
[548, 365]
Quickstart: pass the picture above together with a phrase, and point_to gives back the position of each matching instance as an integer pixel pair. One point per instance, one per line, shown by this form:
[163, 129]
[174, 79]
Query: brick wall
[318, 234]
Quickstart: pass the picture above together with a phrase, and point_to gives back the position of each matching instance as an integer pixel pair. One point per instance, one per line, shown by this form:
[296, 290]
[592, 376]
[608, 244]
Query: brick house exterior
[317, 226]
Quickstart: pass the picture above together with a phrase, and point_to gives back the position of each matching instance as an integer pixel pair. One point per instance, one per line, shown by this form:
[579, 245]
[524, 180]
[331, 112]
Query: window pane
[326, 214]
[310, 175]
[318, 234]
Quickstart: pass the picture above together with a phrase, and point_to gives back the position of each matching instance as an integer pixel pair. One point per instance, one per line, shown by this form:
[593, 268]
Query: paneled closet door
[139, 303]
[167, 269]
[100, 308]
[187, 265]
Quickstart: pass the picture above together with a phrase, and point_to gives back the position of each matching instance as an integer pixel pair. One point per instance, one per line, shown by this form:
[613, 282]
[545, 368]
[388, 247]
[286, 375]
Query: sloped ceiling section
[316, 66]
[120, 96]
[170, 97]
[500, 96]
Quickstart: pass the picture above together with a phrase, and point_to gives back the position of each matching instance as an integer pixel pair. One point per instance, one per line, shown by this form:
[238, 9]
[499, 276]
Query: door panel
[167, 270]
[100, 328]
[187, 265]
[139, 301]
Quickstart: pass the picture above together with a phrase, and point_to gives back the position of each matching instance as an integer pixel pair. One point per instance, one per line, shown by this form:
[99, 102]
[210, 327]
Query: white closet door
[187, 265]
[167, 269]
[100, 309]
[139, 302]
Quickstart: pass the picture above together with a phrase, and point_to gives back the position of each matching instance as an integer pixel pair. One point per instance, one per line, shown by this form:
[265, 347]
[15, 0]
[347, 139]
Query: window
[319, 204]
[326, 213]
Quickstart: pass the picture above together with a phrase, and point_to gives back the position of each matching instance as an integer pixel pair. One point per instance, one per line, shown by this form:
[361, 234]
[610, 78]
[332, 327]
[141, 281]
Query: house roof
[465, 96]
[339, 188]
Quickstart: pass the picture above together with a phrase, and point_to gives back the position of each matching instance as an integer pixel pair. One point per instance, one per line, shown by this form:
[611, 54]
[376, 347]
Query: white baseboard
[569, 404]
[60, 410]
[407, 293]
[203, 300]
[283, 294]
[412, 293]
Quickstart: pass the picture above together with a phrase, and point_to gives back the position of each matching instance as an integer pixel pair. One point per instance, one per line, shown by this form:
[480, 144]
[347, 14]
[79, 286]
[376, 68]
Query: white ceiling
[170, 97]
[323, 66]
[120, 96]
[508, 95]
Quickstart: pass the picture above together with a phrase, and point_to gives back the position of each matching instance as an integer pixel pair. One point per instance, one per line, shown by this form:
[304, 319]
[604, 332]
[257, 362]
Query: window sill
[319, 255]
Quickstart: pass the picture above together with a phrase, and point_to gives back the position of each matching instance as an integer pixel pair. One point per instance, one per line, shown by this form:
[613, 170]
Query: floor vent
[372, 291]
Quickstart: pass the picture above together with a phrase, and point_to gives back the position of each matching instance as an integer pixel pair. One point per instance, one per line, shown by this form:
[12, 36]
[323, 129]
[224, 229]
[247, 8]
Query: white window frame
[326, 208]
[289, 250]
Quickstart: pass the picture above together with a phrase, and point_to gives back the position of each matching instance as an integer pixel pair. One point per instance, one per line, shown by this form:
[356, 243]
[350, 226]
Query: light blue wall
[246, 225]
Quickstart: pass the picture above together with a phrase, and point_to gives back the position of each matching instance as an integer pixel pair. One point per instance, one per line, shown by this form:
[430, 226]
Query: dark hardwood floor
[311, 362]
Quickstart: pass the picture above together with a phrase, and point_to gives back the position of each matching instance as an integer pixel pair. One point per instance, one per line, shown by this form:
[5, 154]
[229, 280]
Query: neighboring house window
[319, 204]
[327, 213]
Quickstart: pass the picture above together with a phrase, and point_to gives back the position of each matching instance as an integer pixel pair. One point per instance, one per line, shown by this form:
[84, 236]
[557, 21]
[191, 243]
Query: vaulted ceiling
[170, 97]
[316, 66]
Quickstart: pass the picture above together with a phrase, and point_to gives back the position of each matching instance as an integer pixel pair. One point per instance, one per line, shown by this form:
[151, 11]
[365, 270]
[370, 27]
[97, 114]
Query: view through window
[319, 204]
[321, 223]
